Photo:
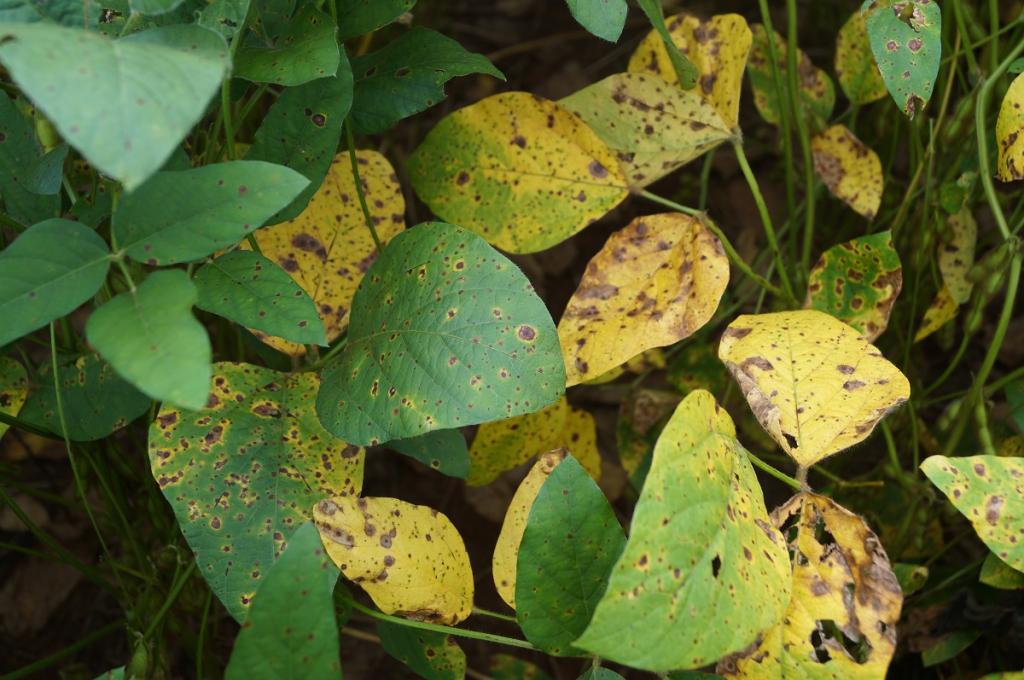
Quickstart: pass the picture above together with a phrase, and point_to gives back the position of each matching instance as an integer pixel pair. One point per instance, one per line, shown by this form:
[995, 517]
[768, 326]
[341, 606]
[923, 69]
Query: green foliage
[442, 450]
[304, 49]
[603, 18]
[906, 39]
[364, 16]
[22, 153]
[430, 655]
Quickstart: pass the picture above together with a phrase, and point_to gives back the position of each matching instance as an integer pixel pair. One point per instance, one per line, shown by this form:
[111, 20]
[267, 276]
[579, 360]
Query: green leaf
[301, 131]
[948, 647]
[855, 65]
[911, 577]
[243, 472]
[124, 104]
[442, 450]
[357, 17]
[998, 574]
[408, 76]
[1015, 399]
[686, 72]
[224, 16]
[152, 340]
[182, 216]
[603, 18]
[13, 389]
[445, 332]
[700, 541]
[154, 6]
[571, 542]
[46, 173]
[19, 154]
[49, 270]
[305, 50]
[291, 631]
[96, 401]
[430, 655]
[906, 39]
[249, 289]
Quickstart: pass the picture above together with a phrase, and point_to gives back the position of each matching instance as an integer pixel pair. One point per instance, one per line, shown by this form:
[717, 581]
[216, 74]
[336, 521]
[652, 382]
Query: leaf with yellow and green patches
[857, 282]
[652, 284]
[855, 65]
[242, 473]
[813, 382]
[327, 249]
[428, 654]
[409, 559]
[988, 491]
[941, 311]
[652, 126]
[505, 444]
[521, 171]
[13, 389]
[718, 48]
[850, 170]
[846, 601]
[956, 254]
[906, 39]
[817, 93]
[1010, 133]
[700, 541]
[998, 574]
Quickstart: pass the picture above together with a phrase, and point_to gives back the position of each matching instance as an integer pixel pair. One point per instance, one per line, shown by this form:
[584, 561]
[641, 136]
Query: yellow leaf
[718, 48]
[1010, 133]
[410, 559]
[956, 254]
[328, 247]
[653, 127]
[941, 311]
[813, 382]
[652, 284]
[504, 444]
[855, 64]
[841, 621]
[850, 170]
[13, 389]
[519, 170]
[506, 550]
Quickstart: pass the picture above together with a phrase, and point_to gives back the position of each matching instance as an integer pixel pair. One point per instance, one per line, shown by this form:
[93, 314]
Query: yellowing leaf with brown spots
[817, 94]
[813, 382]
[506, 550]
[328, 248]
[1010, 133]
[13, 389]
[941, 311]
[410, 559]
[652, 284]
[718, 48]
[652, 126]
[855, 64]
[502, 445]
[841, 621]
[956, 254]
[519, 170]
[850, 170]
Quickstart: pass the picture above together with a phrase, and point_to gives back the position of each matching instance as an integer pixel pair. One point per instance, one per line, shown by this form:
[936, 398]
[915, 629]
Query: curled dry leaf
[652, 284]
[941, 311]
[850, 170]
[855, 64]
[1010, 133]
[410, 559]
[906, 39]
[13, 389]
[956, 254]
[841, 621]
[817, 93]
[815, 385]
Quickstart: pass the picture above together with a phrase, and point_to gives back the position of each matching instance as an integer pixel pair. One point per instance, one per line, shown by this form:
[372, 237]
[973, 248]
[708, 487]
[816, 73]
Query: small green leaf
[20, 153]
[305, 50]
[224, 16]
[948, 647]
[358, 17]
[906, 39]
[13, 389]
[154, 6]
[249, 289]
[601, 674]
[430, 655]
[998, 574]
[152, 340]
[408, 76]
[911, 577]
[291, 631]
[571, 542]
[855, 65]
[442, 450]
[603, 18]
[445, 332]
[686, 72]
[46, 173]
[51, 269]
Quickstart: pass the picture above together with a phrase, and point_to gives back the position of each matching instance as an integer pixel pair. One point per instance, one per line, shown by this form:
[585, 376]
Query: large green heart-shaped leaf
[445, 332]
[305, 50]
[906, 39]
[124, 104]
[46, 273]
[19, 154]
[245, 471]
[357, 17]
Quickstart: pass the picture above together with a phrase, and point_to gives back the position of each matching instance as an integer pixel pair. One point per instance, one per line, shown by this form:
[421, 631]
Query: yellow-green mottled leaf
[409, 559]
[941, 311]
[521, 171]
[855, 65]
[857, 282]
[817, 93]
[700, 541]
[841, 621]
[653, 127]
[988, 491]
[428, 654]
[653, 283]
[850, 170]
[911, 577]
[243, 473]
[13, 389]
[906, 39]
[956, 254]
[1010, 133]
[998, 574]
[813, 382]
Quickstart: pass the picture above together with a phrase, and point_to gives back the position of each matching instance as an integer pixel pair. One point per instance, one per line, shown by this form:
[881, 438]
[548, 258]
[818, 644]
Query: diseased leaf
[817, 93]
[130, 101]
[49, 270]
[13, 389]
[956, 254]
[850, 170]
[653, 127]
[998, 574]
[243, 473]
[409, 558]
[328, 247]
[568, 548]
[988, 491]
[841, 621]
[445, 332]
[225, 16]
[521, 171]
[857, 282]
[291, 630]
[603, 18]
[442, 450]
[653, 283]
[906, 39]
[911, 577]
[683, 68]
[408, 76]
[855, 64]
[305, 49]
[941, 311]
[430, 655]
[815, 385]
[20, 152]
[1010, 133]
[357, 17]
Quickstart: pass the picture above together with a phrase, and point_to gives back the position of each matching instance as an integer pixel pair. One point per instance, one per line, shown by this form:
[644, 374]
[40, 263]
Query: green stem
[179, 583]
[966, 36]
[777, 474]
[225, 114]
[950, 367]
[202, 634]
[494, 615]
[792, 72]
[784, 121]
[984, 434]
[14, 421]
[350, 140]
[37, 666]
